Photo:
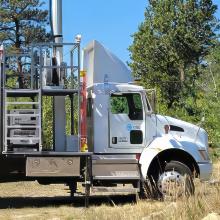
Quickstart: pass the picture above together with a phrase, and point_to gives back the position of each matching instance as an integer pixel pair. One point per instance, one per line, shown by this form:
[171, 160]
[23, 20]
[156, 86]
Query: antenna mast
[59, 101]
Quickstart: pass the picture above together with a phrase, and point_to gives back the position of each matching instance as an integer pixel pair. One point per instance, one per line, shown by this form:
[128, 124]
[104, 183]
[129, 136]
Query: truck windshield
[127, 103]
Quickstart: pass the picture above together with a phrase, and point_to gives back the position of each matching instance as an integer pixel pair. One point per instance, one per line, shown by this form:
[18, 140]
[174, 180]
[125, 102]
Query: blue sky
[112, 22]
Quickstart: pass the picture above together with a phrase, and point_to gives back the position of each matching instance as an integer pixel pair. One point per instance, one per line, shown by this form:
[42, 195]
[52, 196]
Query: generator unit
[24, 125]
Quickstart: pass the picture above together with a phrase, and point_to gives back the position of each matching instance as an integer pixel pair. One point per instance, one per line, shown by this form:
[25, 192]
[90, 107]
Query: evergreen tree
[170, 46]
[22, 22]
[209, 101]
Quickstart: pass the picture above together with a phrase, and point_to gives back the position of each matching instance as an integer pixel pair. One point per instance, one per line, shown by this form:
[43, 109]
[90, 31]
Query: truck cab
[119, 112]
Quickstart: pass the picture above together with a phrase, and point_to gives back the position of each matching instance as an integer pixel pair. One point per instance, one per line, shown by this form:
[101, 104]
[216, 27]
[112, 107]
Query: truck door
[126, 120]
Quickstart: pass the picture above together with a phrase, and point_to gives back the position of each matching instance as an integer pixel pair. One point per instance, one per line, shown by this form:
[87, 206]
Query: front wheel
[175, 181]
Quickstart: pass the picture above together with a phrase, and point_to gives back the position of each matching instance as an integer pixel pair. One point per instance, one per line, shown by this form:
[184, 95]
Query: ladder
[22, 120]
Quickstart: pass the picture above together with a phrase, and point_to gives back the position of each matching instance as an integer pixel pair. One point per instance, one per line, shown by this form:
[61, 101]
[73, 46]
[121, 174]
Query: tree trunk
[18, 50]
[182, 74]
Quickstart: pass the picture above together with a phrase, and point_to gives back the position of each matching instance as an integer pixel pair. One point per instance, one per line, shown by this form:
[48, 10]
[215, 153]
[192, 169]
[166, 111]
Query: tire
[176, 181]
[172, 180]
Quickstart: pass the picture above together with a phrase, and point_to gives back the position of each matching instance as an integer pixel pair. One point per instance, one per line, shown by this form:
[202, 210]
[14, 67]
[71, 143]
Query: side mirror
[152, 98]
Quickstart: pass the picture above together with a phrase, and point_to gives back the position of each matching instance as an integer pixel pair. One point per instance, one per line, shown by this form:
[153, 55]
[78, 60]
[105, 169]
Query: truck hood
[182, 131]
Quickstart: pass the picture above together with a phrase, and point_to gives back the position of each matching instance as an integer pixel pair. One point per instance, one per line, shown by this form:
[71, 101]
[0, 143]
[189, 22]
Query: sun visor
[103, 66]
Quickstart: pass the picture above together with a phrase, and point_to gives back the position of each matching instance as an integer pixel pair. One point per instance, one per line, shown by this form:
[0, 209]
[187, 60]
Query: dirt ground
[29, 200]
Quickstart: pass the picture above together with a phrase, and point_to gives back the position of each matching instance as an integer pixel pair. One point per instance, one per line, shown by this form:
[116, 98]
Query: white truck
[127, 142]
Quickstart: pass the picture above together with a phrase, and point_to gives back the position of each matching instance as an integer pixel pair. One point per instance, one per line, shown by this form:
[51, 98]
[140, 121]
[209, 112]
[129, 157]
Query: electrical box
[53, 166]
[24, 127]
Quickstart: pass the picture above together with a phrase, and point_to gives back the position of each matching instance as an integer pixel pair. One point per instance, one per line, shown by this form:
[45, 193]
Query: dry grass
[205, 201]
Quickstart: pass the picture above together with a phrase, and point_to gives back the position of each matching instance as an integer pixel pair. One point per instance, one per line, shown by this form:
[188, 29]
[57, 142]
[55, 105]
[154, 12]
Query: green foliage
[48, 119]
[68, 114]
[47, 103]
[119, 105]
[175, 50]
[209, 100]
[22, 22]
[170, 46]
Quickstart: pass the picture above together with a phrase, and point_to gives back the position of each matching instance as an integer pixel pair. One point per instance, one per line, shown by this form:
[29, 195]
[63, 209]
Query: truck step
[116, 177]
[114, 189]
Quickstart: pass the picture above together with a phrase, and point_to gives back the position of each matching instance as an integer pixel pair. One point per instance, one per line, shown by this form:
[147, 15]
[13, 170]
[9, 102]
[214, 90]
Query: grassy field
[32, 201]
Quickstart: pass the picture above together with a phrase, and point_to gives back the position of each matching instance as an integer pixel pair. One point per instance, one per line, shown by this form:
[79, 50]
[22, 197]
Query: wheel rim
[171, 184]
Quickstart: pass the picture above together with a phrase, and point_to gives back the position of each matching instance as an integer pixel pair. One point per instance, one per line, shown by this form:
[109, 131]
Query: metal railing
[25, 74]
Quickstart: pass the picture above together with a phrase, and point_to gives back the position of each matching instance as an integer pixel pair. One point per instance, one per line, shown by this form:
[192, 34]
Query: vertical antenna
[58, 101]
[57, 20]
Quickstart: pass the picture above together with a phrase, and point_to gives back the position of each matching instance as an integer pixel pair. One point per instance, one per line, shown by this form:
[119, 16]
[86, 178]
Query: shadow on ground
[77, 201]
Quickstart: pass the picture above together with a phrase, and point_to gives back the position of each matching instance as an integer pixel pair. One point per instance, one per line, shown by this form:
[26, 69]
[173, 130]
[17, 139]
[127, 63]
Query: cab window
[127, 103]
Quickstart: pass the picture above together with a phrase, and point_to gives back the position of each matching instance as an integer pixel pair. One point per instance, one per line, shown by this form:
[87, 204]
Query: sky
[111, 22]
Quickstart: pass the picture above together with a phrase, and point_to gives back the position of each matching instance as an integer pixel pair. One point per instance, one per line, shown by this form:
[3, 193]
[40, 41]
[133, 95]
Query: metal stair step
[23, 115]
[22, 103]
[22, 91]
[23, 139]
[114, 189]
[24, 109]
[116, 177]
[22, 126]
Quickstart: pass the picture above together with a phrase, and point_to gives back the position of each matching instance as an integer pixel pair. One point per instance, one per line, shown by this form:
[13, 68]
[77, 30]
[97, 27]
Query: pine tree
[22, 22]
[171, 44]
